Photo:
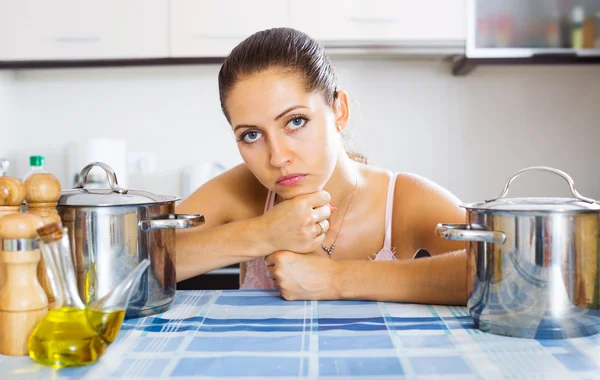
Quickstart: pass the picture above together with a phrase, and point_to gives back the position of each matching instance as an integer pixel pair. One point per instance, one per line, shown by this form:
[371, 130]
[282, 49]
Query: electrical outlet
[143, 163]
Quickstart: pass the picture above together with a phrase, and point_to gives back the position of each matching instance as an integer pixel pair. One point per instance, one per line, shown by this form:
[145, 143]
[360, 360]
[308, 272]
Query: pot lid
[115, 196]
[541, 204]
[107, 197]
[578, 203]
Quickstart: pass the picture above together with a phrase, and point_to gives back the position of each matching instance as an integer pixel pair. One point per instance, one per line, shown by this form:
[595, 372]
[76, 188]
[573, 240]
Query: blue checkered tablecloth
[257, 335]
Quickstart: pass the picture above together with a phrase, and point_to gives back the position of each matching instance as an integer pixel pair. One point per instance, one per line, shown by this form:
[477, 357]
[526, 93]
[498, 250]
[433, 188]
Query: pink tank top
[256, 271]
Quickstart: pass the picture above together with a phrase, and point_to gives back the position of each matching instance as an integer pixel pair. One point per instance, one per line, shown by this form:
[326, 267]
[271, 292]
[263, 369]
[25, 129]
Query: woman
[303, 215]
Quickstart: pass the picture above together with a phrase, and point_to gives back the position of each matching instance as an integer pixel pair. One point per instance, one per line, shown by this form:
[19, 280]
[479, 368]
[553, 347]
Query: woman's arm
[231, 233]
[419, 205]
[219, 246]
[441, 279]
[236, 230]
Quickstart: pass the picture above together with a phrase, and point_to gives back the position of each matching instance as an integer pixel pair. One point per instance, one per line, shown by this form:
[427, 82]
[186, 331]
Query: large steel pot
[112, 230]
[533, 263]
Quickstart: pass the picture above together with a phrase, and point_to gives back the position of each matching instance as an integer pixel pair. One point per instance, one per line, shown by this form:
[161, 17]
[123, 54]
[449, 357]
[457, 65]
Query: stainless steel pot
[112, 230]
[534, 263]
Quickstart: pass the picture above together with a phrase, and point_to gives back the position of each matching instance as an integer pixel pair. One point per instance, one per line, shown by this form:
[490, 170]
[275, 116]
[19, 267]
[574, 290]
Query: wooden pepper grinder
[42, 194]
[23, 302]
[12, 194]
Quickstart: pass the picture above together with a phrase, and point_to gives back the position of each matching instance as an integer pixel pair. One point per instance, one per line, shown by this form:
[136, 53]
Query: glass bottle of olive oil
[68, 336]
[74, 334]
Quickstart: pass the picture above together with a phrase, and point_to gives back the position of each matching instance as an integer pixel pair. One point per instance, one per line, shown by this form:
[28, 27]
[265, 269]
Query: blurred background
[134, 83]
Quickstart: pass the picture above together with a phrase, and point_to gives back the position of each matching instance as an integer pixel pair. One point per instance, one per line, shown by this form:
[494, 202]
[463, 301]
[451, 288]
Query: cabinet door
[380, 20]
[211, 28]
[83, 29]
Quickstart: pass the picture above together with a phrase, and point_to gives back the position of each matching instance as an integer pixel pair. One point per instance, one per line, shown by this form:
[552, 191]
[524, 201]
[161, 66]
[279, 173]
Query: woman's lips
[290, 179]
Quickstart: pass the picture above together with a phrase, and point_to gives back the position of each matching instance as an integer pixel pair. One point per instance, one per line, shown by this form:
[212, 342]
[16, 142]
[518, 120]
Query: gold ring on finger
[322, 229]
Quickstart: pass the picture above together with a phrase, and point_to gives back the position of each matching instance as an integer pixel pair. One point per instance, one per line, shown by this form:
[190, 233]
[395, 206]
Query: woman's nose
[281, 156]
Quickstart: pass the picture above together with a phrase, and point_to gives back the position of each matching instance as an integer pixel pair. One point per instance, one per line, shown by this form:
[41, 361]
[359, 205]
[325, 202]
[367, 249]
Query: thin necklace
[330, 249]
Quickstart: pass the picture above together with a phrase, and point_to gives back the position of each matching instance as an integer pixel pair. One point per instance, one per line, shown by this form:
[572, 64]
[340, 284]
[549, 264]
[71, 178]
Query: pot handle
[172, 221]
[548, 169]
[464, 232]
[112, 177]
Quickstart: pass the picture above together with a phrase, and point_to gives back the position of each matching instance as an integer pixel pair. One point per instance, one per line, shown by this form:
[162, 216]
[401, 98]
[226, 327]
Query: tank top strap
[389, 208]
[270, 201]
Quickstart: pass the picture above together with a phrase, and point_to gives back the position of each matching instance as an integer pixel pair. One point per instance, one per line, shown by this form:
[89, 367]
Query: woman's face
[286, 136]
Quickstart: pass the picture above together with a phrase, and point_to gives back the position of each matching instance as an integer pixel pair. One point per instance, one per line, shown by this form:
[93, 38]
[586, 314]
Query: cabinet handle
[373, 20]
[217, 36]
[77, 39]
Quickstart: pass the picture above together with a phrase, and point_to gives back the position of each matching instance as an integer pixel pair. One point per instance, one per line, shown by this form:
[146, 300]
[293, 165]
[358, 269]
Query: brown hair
[289, 50]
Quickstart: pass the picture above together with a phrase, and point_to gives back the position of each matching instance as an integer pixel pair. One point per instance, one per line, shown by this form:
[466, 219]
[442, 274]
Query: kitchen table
[257, 335]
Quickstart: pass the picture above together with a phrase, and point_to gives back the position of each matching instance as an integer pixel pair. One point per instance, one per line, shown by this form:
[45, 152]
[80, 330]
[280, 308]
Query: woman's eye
[250, 137]
[297, 123]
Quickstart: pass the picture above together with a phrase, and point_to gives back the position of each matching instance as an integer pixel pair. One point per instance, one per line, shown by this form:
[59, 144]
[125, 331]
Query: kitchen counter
[257, 335]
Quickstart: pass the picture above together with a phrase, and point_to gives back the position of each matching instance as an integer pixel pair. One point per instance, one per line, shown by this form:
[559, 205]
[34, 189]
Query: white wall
[7, 114]
[467, 133]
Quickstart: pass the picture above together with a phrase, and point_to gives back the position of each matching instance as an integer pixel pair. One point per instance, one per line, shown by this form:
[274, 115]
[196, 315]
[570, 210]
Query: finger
[321, 213]
[318, 199]
[323, 224]
[269, 260]
[270, 273]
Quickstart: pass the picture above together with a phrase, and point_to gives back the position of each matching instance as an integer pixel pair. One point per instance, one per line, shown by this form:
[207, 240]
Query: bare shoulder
[375, 178]
[419, 205]
[410, 186]
[233, 195]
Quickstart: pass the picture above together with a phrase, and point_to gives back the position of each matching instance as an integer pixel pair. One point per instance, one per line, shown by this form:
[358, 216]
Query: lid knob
[116, 196]
[558, 172]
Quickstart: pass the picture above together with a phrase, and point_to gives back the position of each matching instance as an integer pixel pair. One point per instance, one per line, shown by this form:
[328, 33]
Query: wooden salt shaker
[12, 194]
[42, 195]
[23, 302]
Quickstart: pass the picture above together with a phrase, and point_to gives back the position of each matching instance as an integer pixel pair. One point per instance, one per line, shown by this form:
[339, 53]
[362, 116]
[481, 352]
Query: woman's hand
[298, 224]
[303, 276]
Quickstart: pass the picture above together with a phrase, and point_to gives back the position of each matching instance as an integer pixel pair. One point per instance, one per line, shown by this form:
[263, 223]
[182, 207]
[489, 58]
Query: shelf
[463, 65]
[51, 64]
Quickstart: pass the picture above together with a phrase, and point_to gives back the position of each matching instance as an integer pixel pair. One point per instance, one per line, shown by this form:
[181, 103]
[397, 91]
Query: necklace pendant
[328, 250]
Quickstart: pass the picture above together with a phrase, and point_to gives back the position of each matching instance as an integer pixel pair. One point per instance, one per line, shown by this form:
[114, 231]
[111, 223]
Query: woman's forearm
[441, 280]
[204, 250]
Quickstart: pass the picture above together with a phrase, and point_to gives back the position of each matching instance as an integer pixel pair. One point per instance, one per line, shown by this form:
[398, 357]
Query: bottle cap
[51, 232]
[36, 160]
[578, 14]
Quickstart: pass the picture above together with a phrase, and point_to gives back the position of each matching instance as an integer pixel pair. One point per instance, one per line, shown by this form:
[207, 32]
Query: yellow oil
[73, 337]
[90, 283]
[106, 323]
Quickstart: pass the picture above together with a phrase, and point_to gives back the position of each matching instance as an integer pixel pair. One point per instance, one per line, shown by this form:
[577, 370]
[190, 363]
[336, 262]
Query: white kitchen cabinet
[83, 29]
[211, 28]
[419, 21]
